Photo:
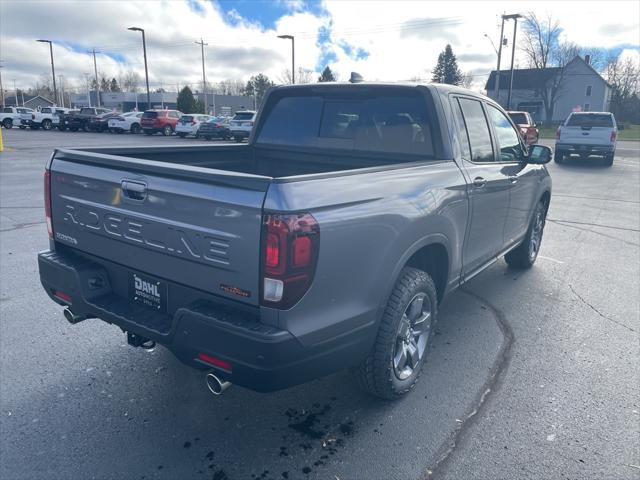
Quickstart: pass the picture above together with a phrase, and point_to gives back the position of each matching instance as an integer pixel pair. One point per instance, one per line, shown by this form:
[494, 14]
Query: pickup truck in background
[82, 119]
[325, 243]
[13, 116]
[45, 118]
[527, 126]
[585, 134]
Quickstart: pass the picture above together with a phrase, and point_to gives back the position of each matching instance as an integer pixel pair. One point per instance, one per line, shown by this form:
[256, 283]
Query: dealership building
[224, 105]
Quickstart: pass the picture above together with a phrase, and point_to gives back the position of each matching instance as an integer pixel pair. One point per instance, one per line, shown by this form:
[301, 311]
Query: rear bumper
[263, 358]
[585, 149]
[240, 133]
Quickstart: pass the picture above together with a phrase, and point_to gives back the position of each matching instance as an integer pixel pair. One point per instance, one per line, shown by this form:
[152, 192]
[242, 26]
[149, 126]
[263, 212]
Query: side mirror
[539, 154]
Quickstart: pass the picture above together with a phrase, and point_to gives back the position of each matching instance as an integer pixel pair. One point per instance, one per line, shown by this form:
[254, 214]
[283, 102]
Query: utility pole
[15, 90]
[61, 90]
[86, 78]
[1, 87]
[515, 18]
[204, 79]
[53, 69]
[497, 82]
[146, 70]
[95, 71]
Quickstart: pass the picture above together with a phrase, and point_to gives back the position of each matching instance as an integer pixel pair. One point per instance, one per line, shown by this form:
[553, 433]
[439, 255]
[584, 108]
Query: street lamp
[293, 56]
[514, 17]
[492, 44]
[53, 69]
[146, 71]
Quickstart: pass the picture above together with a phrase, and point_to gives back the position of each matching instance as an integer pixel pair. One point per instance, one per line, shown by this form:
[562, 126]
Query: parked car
[160, 121]
[45, 118]
[100, 123]
[318, 246]
[587, 133]
[13, 116]
[215, 128]
[81, 119]
[63, 119]
[190, 123]
[527, 126]
[125, 122]
[241, 124]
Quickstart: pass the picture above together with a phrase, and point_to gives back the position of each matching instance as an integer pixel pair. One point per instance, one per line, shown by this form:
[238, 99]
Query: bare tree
[623, 76]
[302, 76]
[544, 50]
[130, 81]
[231, 87]
[467, 80]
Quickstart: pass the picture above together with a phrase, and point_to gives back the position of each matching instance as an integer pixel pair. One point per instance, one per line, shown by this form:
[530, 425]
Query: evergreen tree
[186, 102]
[327, 75]
[257, 86]
[447, 70]
[114, 87]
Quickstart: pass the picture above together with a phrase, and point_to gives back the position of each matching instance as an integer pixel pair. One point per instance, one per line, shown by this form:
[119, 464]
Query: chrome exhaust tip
[72, 318]
[216, 385]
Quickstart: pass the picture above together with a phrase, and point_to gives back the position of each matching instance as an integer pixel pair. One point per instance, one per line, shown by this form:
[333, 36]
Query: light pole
[86, 78]
[293, 56]
[146, 71]
[204, 79]
[95, 71]
[53, 69]
[1, 87]
[514, 17]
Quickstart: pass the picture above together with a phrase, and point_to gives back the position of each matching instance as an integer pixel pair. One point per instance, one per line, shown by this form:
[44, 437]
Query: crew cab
[327, 242]
[11, 116]
[241, 124]
[81, 120]
[45, 118]
[160, 121]
[527, 126]
[585, 134]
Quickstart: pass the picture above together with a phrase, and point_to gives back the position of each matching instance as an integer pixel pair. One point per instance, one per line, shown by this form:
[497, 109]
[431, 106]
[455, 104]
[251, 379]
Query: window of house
[586, 107]
[477, 130]
[588, 93]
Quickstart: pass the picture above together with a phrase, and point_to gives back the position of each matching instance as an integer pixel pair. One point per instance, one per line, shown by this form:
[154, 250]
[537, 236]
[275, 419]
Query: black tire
[135, 128]
[85, 127]
[7, 123]
[380, 374]
[167, 131]
[46, 124]
[558, 156]
[148, 132]
[608, 159]
[182, 135]
[525, 254]
[62, 129]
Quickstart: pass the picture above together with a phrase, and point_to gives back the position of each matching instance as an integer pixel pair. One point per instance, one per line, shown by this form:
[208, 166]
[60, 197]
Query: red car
[526, 125]
[160, 121]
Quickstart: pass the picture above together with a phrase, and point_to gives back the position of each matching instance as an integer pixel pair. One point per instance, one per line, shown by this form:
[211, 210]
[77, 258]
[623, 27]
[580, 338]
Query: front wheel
[525, 254]
[167, 131]
[135, 128]
[395, 362]
[46, 124]
[7, 123]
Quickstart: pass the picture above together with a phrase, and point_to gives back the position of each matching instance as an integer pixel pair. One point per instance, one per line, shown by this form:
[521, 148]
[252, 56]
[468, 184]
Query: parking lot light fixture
[293, 55]
[146, 70]
[53, 69]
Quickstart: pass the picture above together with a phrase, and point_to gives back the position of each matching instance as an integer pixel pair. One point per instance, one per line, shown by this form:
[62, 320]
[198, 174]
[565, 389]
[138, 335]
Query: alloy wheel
[412, 337]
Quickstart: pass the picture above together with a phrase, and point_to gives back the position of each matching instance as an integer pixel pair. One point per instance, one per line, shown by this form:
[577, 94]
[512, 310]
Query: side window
[477, 130]
[461, 130]
[173, 115]
[508, 138]
[588, 92]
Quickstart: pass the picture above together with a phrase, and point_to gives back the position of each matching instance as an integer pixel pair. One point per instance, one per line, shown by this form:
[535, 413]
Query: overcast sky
[382, 40]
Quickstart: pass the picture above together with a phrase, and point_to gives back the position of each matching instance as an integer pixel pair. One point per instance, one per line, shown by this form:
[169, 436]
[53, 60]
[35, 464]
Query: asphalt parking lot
[533, 374]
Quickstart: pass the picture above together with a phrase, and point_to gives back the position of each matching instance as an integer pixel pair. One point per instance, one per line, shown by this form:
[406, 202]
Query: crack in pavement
[491, 385]
[595, 198]
[561, 223]
[20, 226]
[593, 225]
[598, 311]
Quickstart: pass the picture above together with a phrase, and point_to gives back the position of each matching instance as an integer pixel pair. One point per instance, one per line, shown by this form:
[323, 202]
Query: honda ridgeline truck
[327, 242]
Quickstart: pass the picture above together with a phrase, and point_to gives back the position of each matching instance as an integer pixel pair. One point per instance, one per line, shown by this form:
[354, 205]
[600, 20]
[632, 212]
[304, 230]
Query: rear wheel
[608, 159]
[524, 256]
[167, 131]
[7, 123]
[395, 362]
[46, 124]
[558, 156]
[135, 128]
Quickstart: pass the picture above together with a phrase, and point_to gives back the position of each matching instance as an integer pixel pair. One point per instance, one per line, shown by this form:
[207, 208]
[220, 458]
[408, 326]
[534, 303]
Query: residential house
[579, 88]
[30, 101]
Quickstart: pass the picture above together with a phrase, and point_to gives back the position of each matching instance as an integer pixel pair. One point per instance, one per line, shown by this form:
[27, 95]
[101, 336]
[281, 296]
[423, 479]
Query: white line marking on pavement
[550, 259]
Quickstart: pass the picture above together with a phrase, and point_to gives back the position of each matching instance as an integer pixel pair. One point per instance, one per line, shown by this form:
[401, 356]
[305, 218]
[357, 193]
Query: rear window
[186, 118]
[243, 116]
[519, 118]
[382, 121]
[45, 110]
[7, 110]
[150, 115]
[590, 120]
[87, 111]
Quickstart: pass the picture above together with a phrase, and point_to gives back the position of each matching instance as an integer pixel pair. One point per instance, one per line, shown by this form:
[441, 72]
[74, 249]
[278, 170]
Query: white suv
[189, 124]
[587, 133]
[242, 124]
[46, 118]
[11, 116]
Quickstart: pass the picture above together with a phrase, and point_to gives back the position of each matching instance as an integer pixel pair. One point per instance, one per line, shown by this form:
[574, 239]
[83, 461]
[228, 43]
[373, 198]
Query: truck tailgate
[162, 221]
[586, 135]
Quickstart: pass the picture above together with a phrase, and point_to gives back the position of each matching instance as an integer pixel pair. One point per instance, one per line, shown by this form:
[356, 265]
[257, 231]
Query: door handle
[513, 179]
[479, 182]
[134, 190]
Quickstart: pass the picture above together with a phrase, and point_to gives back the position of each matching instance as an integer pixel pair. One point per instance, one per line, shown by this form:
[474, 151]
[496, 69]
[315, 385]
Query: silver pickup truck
[327, 242]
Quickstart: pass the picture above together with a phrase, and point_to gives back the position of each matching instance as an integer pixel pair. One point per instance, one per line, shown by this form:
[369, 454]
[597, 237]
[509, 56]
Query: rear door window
[590, 120]
[150, 115]
[507, 136]
[477, 130]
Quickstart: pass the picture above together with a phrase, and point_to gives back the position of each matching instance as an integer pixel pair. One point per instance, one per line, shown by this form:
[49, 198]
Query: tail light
[558, 134]
[614, 135]
[290, 246]
[47, 202]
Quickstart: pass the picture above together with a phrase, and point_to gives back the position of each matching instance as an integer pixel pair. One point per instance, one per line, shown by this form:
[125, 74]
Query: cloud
[476, 57]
